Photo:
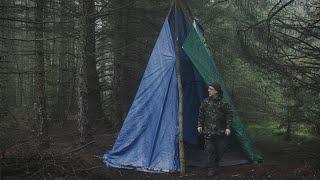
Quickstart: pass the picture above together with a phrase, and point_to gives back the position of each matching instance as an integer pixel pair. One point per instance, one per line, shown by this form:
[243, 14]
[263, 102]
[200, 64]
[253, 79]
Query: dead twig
[89, 169]
[78, 149]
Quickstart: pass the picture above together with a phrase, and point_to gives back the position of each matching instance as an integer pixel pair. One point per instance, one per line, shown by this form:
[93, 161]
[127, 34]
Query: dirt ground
[271, 168]
[281, 162]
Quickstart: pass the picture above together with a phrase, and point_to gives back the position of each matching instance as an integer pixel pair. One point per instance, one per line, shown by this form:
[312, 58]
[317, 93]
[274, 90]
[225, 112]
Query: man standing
[215, 117]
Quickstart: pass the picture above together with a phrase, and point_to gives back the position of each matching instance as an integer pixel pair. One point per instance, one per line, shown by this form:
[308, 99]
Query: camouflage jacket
[215, 116]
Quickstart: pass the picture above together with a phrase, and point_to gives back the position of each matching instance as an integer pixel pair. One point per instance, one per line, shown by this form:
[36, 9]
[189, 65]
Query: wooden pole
[180, 115]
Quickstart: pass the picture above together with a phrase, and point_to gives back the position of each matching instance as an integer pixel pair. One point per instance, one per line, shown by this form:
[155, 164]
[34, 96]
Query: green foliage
[263, 86]
[256, 96]
[269, 137]
[272, 131]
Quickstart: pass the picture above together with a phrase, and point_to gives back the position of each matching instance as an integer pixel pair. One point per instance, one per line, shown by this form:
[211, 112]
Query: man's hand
[227, 132]
[200, 130]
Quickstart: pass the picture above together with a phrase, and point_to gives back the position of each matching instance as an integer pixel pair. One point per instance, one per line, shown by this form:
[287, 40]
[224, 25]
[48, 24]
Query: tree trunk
[180, 92]
[63, 61]
[4, 76]
[119, 44]
[89, 91]
[289, 127]
[40, 75]
[7, 59]
[94, 100]
[317, 128]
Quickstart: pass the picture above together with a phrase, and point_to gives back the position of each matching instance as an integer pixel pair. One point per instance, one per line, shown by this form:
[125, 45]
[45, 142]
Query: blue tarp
[148, 140]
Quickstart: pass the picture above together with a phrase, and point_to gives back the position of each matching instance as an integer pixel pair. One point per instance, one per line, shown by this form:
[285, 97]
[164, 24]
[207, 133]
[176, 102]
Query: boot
[215, 170]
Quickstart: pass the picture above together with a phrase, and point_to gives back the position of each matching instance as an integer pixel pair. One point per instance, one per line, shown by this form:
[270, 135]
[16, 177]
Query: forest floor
[282, 160]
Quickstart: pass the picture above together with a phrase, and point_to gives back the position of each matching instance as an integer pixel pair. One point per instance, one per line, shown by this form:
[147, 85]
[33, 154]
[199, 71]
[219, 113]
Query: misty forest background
[73, 66]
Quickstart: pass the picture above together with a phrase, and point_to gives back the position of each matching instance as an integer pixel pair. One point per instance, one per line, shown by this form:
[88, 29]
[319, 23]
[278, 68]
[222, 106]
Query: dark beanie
[217, 87]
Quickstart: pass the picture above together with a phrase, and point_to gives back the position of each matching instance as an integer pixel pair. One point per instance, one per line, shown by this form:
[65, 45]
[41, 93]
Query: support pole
[180, 115]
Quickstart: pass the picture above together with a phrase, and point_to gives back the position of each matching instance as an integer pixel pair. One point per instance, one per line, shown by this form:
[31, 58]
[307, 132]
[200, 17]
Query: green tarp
[198, 52]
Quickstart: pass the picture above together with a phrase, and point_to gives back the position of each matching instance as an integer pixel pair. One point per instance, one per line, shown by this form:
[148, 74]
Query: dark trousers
[214, 146]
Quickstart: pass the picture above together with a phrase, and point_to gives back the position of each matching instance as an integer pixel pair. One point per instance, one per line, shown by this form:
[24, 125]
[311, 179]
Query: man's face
[212, 91]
